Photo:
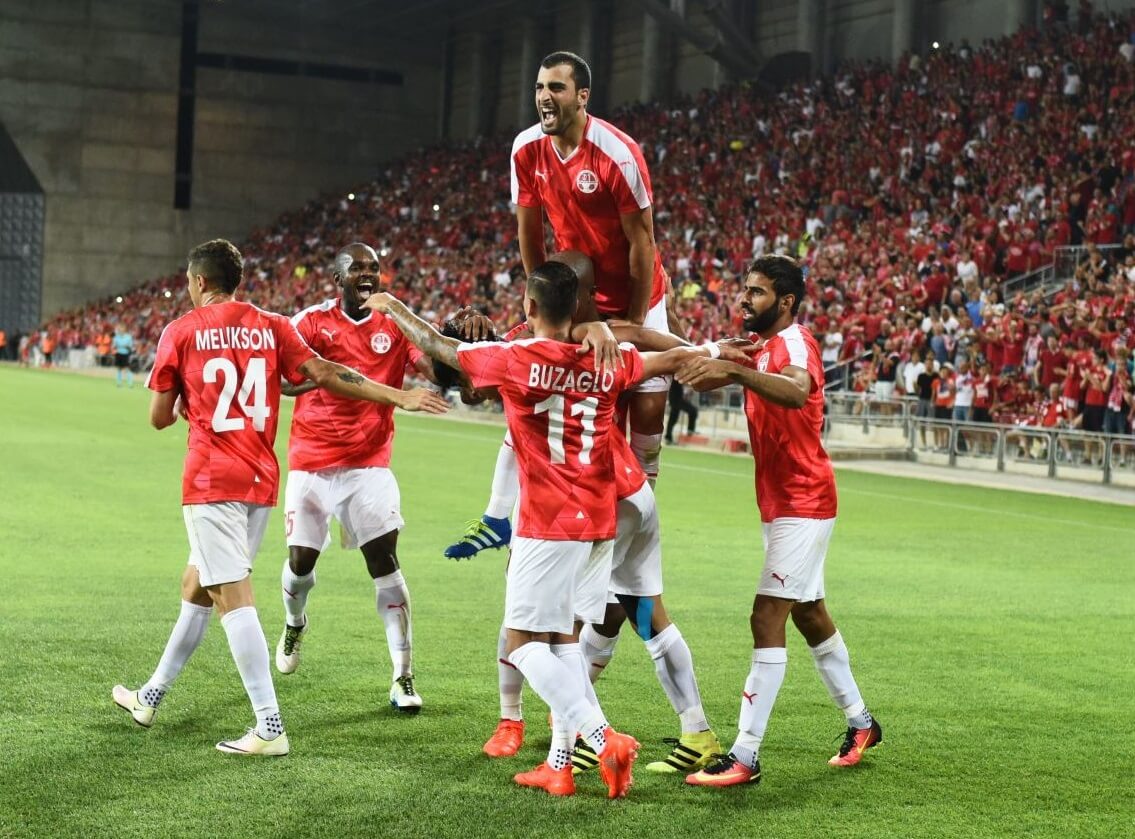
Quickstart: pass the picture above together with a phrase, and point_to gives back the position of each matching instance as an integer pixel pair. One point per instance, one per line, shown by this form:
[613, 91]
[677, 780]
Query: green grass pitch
[991, 633]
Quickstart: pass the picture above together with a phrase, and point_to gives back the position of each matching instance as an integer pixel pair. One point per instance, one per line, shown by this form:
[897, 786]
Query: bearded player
[220, 366]
[796, 494]
[339, 465]
[592, 181]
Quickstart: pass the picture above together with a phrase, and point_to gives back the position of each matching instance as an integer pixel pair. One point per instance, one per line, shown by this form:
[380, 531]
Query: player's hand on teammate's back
[424, 400]
[474, 326]
[705, 373]
[602, 341]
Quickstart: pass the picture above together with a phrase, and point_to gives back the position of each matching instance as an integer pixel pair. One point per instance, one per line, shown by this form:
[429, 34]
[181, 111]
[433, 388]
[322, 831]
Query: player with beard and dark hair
[796, 494]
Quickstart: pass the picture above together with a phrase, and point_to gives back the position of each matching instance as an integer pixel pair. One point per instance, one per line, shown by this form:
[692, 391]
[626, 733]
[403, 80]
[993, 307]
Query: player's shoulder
[530, 135]
[318, 311]
[611, 141]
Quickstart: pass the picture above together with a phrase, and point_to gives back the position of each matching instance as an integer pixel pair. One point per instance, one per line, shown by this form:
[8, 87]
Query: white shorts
[636, 567]
[223, 539]
[549, 584]
[365, 500]
[657, 320]
[795, 550]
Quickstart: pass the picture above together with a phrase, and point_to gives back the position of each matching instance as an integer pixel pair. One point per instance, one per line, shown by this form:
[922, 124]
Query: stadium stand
[917, 193]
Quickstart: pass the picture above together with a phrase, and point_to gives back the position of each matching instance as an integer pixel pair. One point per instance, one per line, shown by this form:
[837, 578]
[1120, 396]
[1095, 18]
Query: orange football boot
[616, 762]
[857, 741]
[506, 740]
[552, 781]
[725, 771]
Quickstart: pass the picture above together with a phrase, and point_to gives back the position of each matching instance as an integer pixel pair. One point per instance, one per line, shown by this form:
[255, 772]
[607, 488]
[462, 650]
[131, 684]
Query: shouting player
[220, 366]
[796, 494]
[339, 464]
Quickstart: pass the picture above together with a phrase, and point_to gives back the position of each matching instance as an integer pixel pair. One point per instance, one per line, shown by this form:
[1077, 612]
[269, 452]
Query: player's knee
[640, 611]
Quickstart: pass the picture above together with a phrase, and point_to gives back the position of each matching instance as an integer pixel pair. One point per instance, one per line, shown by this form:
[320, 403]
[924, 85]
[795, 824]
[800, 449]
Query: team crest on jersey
[586, 181]
[762, 363]
[380, 343]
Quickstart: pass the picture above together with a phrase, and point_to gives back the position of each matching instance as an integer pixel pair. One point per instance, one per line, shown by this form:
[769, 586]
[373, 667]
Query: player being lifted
[339, 464]
[560, 406]
[796, 494]
[591, 181]
[220, 367]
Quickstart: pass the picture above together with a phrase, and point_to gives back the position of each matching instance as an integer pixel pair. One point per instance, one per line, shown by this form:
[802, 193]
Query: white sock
[834, 666]
[561, 686]
[183, 640]
[597, 650]
[674, 666]
[250, 652]
[563, 735]
[765, 678]
[572, 656]
[510, 681]
[506, 483]
[295, 590]
[393, 601]
[648, 449]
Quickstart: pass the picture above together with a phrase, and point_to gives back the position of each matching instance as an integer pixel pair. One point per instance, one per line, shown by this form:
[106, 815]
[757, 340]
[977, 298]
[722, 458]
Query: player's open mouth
[365, 289]
[548, 116]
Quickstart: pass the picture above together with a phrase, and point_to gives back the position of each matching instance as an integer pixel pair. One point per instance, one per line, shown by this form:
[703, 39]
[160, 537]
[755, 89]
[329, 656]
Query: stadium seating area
[913, 192]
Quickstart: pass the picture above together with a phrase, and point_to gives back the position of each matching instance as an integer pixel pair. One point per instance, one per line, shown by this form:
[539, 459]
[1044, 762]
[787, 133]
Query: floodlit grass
[990, 632]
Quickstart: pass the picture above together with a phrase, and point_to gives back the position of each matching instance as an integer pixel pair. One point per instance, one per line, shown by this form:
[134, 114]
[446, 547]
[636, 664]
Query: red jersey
[561, 417]
[794, 473]
[585, 197]
[327, 430]
[226, 360]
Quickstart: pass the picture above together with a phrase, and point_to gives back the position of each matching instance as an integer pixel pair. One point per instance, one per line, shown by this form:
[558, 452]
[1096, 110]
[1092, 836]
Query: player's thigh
[656, 319]
[592, 583]
[367, 503]
[637, 564]
[221, 541]
[307, 510]
[795, 550]
[540, 584]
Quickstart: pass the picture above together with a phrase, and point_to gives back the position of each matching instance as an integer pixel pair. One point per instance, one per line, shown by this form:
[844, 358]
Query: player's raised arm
[345, 382]
[416, 330]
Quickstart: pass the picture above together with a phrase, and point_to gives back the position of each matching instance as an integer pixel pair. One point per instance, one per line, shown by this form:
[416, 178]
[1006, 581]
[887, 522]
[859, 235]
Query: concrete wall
[88, 91]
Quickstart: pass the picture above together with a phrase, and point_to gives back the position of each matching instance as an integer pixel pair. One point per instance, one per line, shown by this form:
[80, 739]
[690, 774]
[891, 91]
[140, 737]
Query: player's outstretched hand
[379, 302]
[704, 373]
[736, 349]
[602, 341]
[424, 400]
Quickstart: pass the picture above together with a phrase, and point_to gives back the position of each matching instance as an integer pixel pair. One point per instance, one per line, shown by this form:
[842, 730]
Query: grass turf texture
[990, 632]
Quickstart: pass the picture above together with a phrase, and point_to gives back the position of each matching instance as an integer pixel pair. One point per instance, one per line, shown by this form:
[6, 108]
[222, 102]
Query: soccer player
[796, 494]
[220, 367]
[339, 464]
[592, 181]
[559, 405]
[123, 343]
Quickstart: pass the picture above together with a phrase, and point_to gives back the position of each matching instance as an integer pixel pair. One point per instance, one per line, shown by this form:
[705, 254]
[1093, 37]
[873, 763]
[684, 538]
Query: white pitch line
[951, 505]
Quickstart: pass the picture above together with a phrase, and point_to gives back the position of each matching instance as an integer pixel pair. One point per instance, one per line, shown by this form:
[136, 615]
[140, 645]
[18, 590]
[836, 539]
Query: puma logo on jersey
[540, 174]
[330, 335]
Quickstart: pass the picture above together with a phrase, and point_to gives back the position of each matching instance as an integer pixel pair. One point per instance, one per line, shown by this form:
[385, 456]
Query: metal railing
[1065, 261]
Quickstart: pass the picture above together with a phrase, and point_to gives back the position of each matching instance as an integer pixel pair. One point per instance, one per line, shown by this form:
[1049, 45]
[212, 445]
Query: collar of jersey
[348, 318]
[586, 137]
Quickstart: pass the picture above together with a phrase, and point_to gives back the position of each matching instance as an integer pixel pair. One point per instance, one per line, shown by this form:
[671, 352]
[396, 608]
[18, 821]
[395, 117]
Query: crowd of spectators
[912, 191]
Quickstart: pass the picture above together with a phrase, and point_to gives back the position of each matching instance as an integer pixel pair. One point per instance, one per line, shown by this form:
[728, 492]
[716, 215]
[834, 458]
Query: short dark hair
[554, 287]
[786, 274]
[580, 72]
[219, 262]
